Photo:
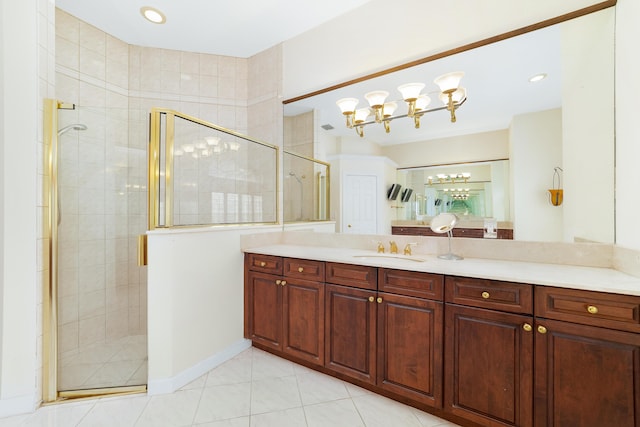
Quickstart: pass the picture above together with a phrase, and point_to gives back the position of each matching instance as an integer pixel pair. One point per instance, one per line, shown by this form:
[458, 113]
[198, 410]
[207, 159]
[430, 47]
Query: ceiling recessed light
[153, 15]
[537, 77]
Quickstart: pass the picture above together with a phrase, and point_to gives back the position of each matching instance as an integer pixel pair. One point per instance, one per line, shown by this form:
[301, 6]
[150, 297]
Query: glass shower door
[101, 290]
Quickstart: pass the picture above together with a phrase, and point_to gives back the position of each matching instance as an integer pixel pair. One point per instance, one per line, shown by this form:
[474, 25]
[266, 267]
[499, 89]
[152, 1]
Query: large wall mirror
[556, 132]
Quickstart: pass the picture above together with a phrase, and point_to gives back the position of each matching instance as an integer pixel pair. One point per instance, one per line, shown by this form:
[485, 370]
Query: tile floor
[101, 365]
[254, 389]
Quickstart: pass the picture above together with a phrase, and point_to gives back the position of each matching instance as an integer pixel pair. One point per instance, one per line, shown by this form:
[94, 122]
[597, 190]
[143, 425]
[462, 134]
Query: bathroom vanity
[478, 342]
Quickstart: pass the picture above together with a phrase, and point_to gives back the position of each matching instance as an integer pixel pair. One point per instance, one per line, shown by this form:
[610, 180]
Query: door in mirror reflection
[359, 201]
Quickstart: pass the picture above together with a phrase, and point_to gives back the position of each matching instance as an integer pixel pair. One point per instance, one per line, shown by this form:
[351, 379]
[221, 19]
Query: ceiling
[220, 27]
[496, 76]
[497, 83]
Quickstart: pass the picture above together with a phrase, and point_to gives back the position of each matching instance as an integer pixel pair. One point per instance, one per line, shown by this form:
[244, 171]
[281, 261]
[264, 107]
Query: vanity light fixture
[152, 14]
[450, 93]
[451, 178]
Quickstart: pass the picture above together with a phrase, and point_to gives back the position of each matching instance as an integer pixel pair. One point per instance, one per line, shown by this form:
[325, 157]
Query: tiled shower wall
[115, 85]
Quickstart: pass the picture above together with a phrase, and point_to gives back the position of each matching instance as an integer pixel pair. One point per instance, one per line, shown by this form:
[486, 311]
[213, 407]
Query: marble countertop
[564, 276]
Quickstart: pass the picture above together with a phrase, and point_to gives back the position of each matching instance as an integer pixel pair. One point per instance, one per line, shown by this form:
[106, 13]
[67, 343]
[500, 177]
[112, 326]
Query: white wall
[19, 124]
[349, 46]
[588, 127]
[627, 129]
[459, 149]
[536, 148]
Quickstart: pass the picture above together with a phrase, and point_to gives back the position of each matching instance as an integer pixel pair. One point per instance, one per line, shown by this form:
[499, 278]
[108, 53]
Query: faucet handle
[380, 248]
[393, 247]
[407, 248]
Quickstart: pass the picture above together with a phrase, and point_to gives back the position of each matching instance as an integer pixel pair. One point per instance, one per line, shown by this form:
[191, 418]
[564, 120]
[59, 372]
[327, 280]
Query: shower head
[293, 174]
[75, 126]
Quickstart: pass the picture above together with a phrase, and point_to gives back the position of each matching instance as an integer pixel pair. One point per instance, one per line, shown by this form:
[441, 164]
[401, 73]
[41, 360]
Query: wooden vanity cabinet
[284, 311]
[587, 359]
[350, 320]
[409, 349]
[488, 368]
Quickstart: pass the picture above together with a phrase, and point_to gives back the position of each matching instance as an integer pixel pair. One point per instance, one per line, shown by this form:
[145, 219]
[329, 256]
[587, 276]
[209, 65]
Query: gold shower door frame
[50, 393]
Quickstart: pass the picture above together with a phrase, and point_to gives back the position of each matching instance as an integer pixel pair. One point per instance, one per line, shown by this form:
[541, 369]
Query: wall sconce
[451, 95]
[556, 193]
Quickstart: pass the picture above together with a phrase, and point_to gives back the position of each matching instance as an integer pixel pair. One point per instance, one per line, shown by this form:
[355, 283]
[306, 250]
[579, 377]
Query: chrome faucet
[394, 248]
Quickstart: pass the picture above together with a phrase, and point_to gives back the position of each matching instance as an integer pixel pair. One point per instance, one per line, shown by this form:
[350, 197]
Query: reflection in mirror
[305, 188]
[472, 191]
[565, 120]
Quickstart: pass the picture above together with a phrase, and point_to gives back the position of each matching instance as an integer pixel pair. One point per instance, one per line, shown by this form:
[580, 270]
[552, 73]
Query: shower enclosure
[95, 302]
[305, 188]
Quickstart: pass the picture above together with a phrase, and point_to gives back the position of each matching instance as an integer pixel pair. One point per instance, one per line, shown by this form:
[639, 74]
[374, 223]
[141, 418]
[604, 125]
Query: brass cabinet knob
[262, 264]
[371, 299]
[527, 327]
[485, 295]
[278, 282]
[284, 282]
[379, 300]
[542, 329]
[592, 309]
[300, 269]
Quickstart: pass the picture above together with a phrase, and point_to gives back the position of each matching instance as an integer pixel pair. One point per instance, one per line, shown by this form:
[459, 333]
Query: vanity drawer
[588, 307]
[357, 276]
[265, 263]
[411, 283]
[492, 294]
[304, 269]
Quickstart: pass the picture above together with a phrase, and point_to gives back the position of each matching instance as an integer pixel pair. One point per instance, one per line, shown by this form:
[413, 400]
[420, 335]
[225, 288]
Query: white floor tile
[176, 409]
[224, 402]
[378, 411]
[254, 389]
[115, 412]
[340, 413]
[274, 394]
[318, 388]
[287, 418]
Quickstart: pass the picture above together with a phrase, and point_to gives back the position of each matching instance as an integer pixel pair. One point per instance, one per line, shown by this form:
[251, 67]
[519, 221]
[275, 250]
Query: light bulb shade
[449, 82]
[188, 148]
[376, 98]
[422, 102]
[457, 96]
[362, 114]
[212, 140]
[347, 105]
[389, 108]
[410, 91]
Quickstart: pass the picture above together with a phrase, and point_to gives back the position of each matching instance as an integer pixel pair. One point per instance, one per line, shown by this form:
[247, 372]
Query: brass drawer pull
[284, 282]
[300, 269]
[542, 329]
[485, 295]
[527, 327]
[371, 299]
[262, 264]
[592, 309]
[379, 300]
[278, 282]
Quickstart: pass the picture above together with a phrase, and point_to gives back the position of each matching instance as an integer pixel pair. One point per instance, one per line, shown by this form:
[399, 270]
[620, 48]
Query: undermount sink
[389, 256]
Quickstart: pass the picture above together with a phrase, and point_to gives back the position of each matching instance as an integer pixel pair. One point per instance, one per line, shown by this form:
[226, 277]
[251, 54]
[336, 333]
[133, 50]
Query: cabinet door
[410, 347]
[265, 309]
[586, 376]
[488, 366]
[303, 317]
[351, 332]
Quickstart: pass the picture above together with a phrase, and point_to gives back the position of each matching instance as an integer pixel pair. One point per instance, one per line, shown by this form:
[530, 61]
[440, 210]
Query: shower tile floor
[254, 389]
[122, 362]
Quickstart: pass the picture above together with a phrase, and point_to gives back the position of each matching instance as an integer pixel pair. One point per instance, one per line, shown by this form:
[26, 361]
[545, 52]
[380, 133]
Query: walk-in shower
[300, 200]
[94, 302]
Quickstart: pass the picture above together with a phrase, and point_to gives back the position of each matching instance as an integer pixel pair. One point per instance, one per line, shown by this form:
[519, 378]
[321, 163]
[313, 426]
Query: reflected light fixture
[450, 93]
[537, 77]
[152, 14]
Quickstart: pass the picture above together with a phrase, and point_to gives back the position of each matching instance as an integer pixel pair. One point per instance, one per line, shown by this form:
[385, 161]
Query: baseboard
[18, 405]
[169, 385]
